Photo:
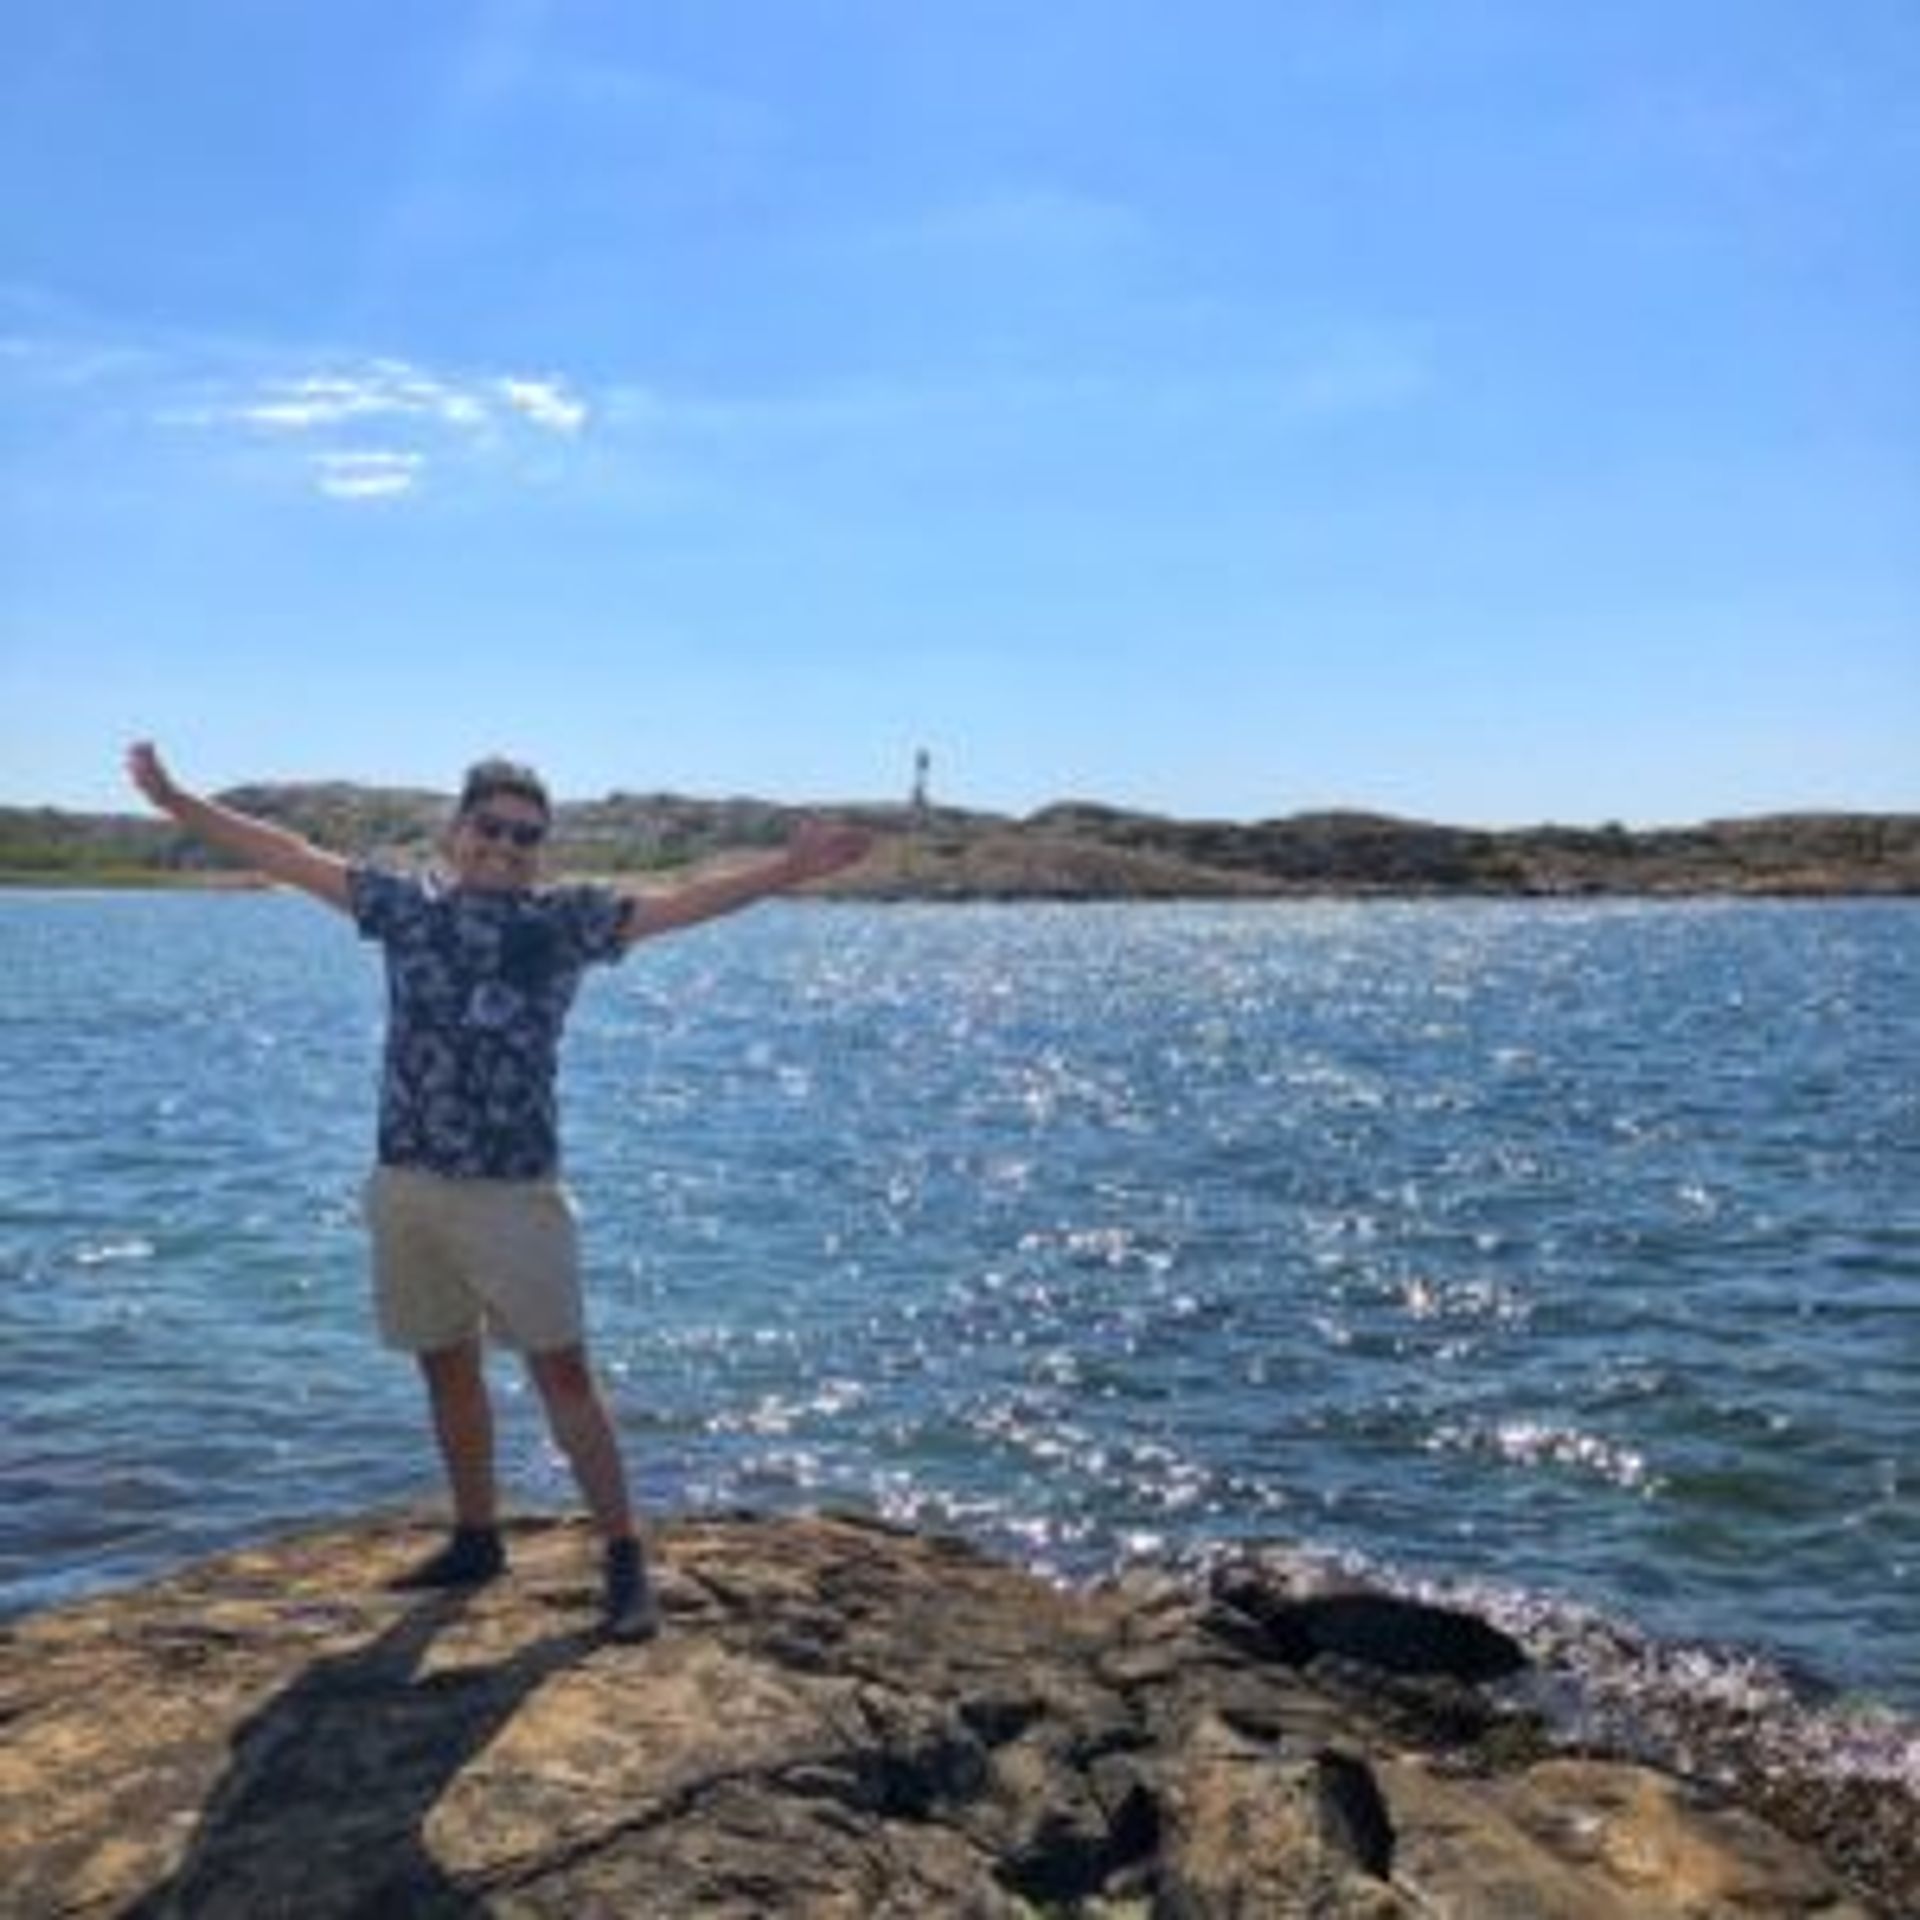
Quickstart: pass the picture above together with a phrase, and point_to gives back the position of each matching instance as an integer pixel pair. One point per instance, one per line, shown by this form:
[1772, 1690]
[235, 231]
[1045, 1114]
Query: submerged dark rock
[840, 1719]
[1386, 1631]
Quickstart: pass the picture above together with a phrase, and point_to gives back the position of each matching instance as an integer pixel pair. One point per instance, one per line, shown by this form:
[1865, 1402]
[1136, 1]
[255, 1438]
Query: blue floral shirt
[478, 989]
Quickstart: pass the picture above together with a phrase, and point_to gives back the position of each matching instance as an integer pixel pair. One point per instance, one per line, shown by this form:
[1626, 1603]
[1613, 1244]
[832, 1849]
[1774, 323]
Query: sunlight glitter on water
[1569, 1246]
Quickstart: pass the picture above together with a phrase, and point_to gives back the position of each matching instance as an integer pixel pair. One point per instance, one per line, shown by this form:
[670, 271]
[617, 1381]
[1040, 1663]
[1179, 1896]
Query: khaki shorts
[454, 1258]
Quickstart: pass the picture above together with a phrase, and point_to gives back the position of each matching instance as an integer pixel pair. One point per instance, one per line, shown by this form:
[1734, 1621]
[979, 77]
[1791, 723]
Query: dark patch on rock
[1353, 1814]
[1381, 1630]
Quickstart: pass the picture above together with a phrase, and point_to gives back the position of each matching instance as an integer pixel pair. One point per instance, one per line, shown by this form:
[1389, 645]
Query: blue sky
[1483, 410]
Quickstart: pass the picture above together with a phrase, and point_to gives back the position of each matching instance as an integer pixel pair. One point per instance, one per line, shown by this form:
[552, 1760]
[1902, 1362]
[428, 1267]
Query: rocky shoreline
[846, 1719]
[1069, 851]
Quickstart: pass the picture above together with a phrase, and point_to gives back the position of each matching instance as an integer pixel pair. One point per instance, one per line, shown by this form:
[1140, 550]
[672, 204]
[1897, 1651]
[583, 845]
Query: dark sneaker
[470, 1559]
[632, 1612]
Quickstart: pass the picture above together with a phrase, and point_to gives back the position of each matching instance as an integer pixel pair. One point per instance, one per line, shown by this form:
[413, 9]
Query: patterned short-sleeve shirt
[478, 989]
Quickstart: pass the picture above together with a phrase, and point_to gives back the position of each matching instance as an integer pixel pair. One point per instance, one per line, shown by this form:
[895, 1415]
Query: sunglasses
[524, 834]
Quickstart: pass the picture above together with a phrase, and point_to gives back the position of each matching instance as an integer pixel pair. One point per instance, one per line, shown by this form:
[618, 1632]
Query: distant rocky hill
[1081, 849]
[1072, 850]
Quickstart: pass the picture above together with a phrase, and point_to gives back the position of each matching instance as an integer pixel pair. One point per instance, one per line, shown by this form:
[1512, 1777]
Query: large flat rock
[839, 1719]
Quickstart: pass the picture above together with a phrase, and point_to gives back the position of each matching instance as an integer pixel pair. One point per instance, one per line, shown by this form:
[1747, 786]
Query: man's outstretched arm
[266, 848]
[818, 848]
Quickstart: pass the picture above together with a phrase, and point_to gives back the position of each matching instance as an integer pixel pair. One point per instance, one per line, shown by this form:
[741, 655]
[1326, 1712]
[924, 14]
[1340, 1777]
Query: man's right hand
[149, 773]
[268, 849]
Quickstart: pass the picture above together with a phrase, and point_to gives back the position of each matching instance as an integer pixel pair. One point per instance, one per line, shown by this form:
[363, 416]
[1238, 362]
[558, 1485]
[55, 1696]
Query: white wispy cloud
[435, 419]
[386, 389]
[546, 403]
[366, 474]
[359, 430]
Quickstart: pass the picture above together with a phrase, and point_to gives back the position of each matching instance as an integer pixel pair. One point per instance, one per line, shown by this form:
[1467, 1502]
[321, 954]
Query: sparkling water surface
[1568, 1250]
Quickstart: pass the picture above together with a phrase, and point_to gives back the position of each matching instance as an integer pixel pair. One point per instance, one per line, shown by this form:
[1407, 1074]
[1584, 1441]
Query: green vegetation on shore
[1074, 850]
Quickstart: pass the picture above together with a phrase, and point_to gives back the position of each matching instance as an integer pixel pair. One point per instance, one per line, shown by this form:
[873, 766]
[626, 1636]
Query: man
[473, 1232]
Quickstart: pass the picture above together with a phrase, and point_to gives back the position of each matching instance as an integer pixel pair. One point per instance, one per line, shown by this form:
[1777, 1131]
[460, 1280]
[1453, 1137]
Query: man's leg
[577, 1417]
[463, 1425]
[582, 1428]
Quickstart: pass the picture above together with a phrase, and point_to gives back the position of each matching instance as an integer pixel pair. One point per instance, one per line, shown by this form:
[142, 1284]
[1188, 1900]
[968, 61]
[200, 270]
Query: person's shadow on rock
[323, 1805]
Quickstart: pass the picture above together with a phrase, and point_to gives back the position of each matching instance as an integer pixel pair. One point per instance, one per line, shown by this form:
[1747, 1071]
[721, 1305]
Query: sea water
[1569, 1251]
